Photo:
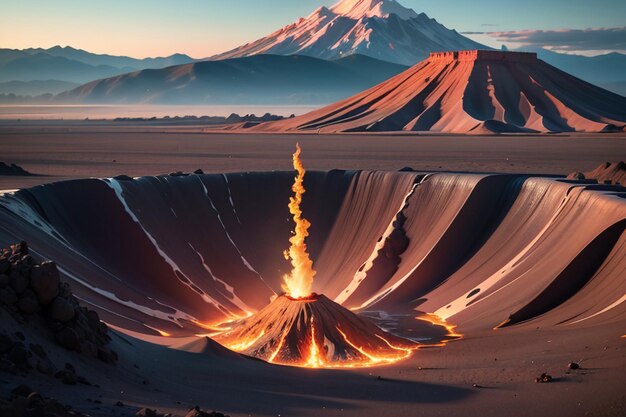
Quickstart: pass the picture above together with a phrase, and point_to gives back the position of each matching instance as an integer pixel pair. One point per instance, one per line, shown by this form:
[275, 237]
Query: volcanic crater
[183, 255]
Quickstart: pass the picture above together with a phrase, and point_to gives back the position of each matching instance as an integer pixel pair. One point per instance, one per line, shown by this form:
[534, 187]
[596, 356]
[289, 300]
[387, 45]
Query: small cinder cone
[314, 332]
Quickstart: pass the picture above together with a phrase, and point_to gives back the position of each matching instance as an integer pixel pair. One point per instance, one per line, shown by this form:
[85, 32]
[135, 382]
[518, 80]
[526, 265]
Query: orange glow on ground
[435, 320]
[298, 283]
[161, 332]
[315, 357]
[373, 359]
[246, 343]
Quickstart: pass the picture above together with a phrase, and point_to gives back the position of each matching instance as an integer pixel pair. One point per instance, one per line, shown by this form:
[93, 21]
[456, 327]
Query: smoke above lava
[299, 282]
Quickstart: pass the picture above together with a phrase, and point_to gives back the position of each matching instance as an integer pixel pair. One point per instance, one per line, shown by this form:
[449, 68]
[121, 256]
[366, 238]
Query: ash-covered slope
[263, 79]
[314, 332]
[381, 29]
[471, 92]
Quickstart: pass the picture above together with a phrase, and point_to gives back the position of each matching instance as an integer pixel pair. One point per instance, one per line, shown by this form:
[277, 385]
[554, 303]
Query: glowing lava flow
[315, 359]
[438, 321]
[299, 283]
[314, 332]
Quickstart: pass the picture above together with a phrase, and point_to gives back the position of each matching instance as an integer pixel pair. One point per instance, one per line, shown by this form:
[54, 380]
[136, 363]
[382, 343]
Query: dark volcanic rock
[544, 378]
[5, 343]
[4, 265]
[28, 304]
[12, 169]
[197, 412]
[26, 403]
[19, 282]
[44, 280]
[68, 338]
[18, 355]
[147, 412]
[38, 350]
[33, 294]
[67, 377]
[8, 296]
[61, 310]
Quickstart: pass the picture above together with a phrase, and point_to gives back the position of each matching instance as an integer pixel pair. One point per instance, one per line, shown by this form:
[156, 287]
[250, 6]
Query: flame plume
[298, 283]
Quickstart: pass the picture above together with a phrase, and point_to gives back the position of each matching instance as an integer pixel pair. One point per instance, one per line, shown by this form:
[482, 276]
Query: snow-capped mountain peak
[381, 29]
[356, 9]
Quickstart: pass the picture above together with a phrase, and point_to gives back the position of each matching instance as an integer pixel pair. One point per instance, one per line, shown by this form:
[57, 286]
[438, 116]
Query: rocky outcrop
[34, 294]
[607, 173]
[12, 169]
[23, 401]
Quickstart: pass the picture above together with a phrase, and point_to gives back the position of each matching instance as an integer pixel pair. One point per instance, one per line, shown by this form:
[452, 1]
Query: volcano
[472, 91]
[381, 29]
[313, 332]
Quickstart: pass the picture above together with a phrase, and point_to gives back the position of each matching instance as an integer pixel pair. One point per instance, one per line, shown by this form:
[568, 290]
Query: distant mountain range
[36, 87]
[261, 79]
[72, 65]
[607, 71]
[381, 29]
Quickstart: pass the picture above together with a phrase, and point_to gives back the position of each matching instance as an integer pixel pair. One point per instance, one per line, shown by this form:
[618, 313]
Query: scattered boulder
[19, 282]
[197, 412]
[579, 176]
[543, 379]
[4, 280]
[573, 365]
[606, 173]
[24, 402]
[44, 280]
[8, 297]
[28, 304]
[147, 412]
[4, 265]
[68, 338]
[67, 377]
[22, 390]
[5, 343]
[12, 169]
[61, 310]
[18, 355]
[38, 350]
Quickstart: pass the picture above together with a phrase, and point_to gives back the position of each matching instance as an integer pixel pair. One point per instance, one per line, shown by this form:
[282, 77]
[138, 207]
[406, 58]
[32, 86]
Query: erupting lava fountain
[302, 328]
